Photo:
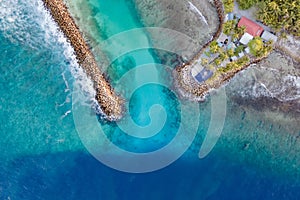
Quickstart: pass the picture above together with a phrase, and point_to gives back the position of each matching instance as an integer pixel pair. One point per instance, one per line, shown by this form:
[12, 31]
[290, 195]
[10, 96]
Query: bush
[230, 52]
[239, 49]
[256, 46]
[229, 26]
[228, 5]
[218, 61]
[243, 61]
[281, 15]
[246, 4]
[214, 47]
[204, 61]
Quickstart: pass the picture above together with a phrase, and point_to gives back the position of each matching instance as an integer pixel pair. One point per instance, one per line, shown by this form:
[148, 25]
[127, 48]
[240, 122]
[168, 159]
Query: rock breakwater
[109, 102]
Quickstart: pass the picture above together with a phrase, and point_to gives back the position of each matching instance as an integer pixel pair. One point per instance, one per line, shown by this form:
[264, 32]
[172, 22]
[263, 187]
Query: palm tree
[214, 47]
[204, 61]
[228, 27]
[281, 15]
[240, 30]
[230, 52]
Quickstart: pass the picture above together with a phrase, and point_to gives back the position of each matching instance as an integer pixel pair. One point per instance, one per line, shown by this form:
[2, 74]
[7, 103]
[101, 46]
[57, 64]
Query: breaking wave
[30, 24]
[258, 82]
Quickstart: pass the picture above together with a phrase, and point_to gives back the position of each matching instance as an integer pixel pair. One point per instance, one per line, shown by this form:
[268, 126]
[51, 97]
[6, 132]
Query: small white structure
[233, 58]
[247, 50]
[245, 39]
[268, 36]
[241, 54]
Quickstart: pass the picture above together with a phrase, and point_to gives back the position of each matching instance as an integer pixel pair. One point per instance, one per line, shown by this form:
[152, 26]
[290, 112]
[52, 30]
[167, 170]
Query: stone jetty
[110, 103]
[185, 84]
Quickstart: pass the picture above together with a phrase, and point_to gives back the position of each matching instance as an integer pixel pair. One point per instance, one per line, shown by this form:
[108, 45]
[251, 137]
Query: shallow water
[43, 148]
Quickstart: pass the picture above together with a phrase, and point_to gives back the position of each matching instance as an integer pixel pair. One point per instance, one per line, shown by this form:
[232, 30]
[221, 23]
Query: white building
[245, 39]
[268, 36]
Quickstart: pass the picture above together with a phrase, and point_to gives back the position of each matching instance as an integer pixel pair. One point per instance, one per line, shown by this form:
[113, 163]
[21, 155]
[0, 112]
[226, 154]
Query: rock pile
[110, 103]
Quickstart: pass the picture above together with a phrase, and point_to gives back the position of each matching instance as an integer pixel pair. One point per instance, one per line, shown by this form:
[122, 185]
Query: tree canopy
[258, 48]
[256, 45]
[283, 16]
[228, 5]
[214, 47]
[245, 4]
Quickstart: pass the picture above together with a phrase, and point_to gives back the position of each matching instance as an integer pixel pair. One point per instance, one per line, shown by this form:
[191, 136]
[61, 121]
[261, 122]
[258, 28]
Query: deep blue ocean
[48, 129]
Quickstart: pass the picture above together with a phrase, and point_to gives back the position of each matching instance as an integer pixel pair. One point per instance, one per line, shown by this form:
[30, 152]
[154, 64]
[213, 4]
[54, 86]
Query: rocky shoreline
[109, 102]
[189, 88]
[185, 84]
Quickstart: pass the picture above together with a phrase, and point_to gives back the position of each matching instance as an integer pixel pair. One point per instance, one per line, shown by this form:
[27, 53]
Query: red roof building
[251, 27]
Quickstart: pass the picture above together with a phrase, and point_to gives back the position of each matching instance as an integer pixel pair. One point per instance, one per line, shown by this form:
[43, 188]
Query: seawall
[109, 102]
[185, 84]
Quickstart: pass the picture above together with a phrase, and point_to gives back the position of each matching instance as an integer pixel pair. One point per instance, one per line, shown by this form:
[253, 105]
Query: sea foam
[31, 25]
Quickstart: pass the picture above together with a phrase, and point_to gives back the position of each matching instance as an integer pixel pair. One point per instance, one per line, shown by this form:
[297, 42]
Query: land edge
[110, 104]
[191, 91]
[188, 88]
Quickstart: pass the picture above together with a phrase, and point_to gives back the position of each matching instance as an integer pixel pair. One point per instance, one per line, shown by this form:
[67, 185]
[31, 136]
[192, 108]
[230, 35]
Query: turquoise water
[44, 150]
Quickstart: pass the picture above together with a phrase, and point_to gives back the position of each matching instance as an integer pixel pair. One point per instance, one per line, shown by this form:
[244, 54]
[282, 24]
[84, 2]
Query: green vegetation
[240, 30]
[258, 48]
[256, 45]
[207, 53]
[218, 61]
[214, 47]
[235, 65]
[223, 56]
[229, 26]
[242, 61]
[281, 15]
[228, 5]
[230, 52]
[239, 49]
[204, 61]
[246, 4]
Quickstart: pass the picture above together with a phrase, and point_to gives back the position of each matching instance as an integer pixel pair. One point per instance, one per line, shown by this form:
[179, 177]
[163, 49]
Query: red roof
[251, 27]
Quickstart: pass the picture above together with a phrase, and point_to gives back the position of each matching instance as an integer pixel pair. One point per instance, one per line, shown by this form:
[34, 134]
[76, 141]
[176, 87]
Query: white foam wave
[195, 9]
[28, 23]
[265, 82]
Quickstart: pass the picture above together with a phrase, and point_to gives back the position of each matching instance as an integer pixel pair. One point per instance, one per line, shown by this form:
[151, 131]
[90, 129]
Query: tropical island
[243, 38]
